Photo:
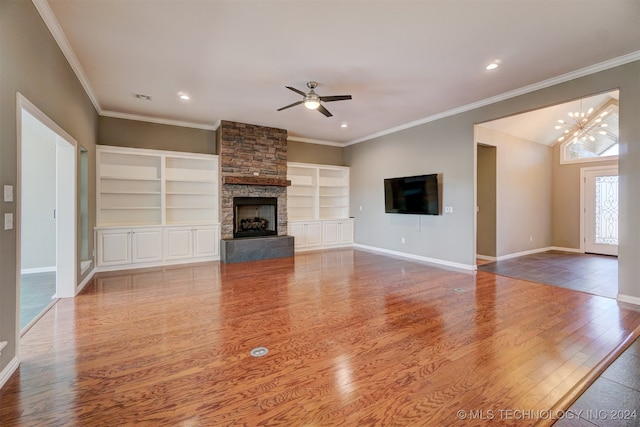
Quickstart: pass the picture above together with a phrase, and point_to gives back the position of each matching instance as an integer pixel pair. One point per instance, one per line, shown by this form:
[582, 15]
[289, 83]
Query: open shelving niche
[317, 192]
[139, 187]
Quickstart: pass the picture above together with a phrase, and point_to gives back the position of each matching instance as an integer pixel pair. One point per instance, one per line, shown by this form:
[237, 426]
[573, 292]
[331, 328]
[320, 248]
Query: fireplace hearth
[255, 216]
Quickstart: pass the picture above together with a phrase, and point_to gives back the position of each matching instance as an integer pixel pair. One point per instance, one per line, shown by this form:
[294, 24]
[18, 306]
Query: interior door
[601, 211]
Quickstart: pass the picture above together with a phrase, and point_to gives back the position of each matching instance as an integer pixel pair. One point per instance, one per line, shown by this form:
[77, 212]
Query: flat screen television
[412, 195]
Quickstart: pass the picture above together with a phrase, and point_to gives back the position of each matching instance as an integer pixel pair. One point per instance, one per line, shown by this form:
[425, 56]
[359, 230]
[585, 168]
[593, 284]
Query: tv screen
[412, 195]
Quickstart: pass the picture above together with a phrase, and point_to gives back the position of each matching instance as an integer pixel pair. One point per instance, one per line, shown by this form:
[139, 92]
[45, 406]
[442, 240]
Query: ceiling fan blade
[290, 105]
[335, 98]
[296, 90]
[324, 111]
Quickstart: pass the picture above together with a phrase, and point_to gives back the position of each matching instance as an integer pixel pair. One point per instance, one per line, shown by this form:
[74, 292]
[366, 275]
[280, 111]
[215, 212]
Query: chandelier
[582, 126]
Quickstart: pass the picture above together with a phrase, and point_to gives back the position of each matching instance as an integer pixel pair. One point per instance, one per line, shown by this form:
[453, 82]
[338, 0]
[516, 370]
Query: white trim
[605, 65]
[84, 282]
[486, 257]
[559, 248]
[38, 270]
[85, 265]
[8, 370]
[157, 120]
[418, 257]
[43, 8]
[519, 254]
[314, 141]
[629, 299]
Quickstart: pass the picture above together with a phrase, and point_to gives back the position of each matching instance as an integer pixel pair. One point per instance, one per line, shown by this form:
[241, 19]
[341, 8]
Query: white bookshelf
[150, 187]
[317, 192]
[148, 197]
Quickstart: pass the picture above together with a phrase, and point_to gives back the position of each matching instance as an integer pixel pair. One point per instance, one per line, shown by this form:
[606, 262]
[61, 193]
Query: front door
[601, 210]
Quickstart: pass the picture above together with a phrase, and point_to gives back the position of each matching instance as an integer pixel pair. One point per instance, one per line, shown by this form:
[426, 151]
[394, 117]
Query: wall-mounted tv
[412, 195]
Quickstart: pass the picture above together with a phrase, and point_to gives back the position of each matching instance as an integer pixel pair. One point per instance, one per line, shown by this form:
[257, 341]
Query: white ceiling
[402, 61]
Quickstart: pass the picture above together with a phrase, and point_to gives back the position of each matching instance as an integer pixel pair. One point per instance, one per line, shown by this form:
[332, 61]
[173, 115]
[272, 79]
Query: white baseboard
[418, 257]
[85, 265]
[629, 299]
[536, 251]
[38, 270]
[8, 371]
[86, 280]
[486, 257]
[558, 248]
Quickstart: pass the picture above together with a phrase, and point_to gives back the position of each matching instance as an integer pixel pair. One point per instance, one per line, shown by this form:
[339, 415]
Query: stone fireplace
[253, 165]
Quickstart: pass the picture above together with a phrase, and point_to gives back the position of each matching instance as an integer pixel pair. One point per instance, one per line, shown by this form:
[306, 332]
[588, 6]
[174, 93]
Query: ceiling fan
[313, 101]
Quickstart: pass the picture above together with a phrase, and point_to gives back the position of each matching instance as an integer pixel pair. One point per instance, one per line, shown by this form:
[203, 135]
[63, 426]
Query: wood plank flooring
[354, 338]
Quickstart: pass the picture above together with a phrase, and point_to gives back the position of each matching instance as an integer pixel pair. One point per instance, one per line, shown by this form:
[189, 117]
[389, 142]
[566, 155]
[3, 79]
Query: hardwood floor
[354, 338]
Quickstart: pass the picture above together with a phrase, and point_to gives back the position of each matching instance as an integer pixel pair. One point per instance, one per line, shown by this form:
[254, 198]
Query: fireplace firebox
[255, 216]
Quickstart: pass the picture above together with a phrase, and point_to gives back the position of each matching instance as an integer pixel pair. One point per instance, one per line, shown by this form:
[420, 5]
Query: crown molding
[139, 118]
[314, 141]
[592, 69]
[43, 8]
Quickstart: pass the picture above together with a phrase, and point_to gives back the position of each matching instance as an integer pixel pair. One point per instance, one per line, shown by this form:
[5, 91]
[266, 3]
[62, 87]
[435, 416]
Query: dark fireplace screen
[255, 216]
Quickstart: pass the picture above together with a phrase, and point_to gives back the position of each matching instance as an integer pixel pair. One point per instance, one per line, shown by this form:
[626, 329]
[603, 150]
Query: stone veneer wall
[244, 150]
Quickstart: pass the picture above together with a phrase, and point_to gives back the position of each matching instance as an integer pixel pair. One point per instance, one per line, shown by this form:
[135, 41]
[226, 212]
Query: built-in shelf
[317, 192]
[149, 187]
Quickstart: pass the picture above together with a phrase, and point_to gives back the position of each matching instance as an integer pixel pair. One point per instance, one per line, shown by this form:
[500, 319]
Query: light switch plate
[8, 221]
[8, 193]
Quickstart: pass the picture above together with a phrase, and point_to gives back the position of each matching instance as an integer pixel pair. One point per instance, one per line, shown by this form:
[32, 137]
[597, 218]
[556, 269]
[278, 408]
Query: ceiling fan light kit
[313, 101]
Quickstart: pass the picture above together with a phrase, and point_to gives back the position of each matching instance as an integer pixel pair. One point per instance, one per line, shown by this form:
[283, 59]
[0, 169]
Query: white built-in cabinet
[318, 206]
[155, 207]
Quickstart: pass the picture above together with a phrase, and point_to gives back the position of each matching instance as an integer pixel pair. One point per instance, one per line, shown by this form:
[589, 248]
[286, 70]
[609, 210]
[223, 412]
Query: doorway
[600, 212]
[47, 260]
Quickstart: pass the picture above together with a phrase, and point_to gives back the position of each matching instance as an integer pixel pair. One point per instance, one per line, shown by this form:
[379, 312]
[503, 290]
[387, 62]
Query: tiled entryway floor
[36, 290]
[595, 274]
[613, 399]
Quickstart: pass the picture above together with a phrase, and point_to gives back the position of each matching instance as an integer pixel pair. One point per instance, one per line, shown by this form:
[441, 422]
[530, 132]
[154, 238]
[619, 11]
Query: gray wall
[303, 152]
[448, 146]
[32, 64]
[487, 187]
[138, 134]
[523, 194]
[444, 147]
[38, 227]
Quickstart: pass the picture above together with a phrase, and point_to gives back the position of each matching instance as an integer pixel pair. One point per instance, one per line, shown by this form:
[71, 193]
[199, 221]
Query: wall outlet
[8, 193]
[448, 209]
[402, 240]
[360, 207]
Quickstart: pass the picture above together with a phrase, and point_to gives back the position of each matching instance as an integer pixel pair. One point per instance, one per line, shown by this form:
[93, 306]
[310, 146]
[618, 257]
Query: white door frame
[66, 204]
[583, 197]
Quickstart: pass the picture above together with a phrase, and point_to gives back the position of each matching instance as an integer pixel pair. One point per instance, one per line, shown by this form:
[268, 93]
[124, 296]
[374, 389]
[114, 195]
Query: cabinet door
[114, 247]
[206, 242]
[178, 243]
[296, 229]
[346, 231]
[313, 234]
[330, 233]
[146, 245]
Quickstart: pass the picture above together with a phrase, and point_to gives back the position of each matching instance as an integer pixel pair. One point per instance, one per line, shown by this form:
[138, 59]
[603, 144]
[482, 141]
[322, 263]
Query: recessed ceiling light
[493, 65]
[184, 96]
[344, 125]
